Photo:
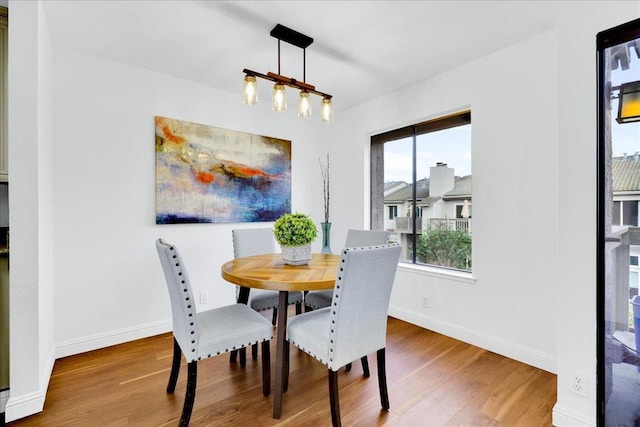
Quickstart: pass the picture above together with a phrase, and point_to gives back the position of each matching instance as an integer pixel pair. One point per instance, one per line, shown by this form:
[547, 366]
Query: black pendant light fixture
[279, 98]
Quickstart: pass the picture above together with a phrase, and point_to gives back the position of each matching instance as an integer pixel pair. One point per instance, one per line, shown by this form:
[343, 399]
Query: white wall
[533, 118]
[511, 307]
[83, 199]
[109, 286]
[31, 288]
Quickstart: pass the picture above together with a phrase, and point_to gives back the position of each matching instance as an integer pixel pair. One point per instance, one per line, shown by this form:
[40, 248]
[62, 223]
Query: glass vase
[326, 237]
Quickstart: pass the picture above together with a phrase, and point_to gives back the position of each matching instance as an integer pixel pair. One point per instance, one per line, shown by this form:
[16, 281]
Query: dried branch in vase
[324, 169]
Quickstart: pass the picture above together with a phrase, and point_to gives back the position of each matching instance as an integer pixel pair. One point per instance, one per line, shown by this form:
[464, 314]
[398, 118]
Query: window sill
[440, 273]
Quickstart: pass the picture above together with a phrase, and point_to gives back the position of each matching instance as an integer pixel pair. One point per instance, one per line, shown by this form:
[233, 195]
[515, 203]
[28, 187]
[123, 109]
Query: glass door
[618, 60]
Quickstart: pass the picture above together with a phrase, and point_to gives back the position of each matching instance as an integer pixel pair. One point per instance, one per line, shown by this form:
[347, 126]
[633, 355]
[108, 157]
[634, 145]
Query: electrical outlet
[204, 298]
[579, 384]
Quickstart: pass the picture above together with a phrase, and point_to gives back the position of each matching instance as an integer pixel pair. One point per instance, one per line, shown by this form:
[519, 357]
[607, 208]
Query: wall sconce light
[629, 102]
[279, 98]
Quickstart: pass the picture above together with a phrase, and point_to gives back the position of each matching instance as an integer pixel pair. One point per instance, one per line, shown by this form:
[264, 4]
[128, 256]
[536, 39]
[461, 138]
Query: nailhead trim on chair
[187, 304]
[182, 307]
[336, 296]
[226, 350]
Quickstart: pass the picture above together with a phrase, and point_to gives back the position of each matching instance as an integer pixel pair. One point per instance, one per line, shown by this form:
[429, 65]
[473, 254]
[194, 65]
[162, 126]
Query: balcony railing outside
[404, 224]
[452, 223]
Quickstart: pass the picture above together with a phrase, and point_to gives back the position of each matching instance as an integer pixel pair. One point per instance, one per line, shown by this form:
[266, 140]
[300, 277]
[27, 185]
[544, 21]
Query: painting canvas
[206, 174]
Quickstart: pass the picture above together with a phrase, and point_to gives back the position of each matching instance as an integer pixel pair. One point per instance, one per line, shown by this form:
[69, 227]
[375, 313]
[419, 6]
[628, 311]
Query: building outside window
[426, 171]
[625, 180]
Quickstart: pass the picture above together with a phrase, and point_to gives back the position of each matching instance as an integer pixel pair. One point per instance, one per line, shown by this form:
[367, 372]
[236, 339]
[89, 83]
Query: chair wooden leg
[299, 308]
[175, 367]
[190, 396]
[365, 366]
[333, 398]
[274, 316]
[243, 357]
[347, 367]
[382, 380]
[233, 356]
[254, 351]
[266, 368]
[306, 307]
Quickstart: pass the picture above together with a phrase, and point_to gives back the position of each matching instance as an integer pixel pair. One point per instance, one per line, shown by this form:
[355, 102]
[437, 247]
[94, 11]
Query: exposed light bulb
[304, 105]
[279, 98]
[326, 111]
[250, 90]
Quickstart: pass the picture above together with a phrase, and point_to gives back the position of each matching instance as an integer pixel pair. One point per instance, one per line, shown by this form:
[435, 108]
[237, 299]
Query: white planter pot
[296, 255]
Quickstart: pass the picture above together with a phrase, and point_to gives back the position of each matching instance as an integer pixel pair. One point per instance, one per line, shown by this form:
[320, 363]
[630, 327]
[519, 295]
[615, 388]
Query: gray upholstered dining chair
[355, 238]
[356, 322]
[320, 299]
[199, 335]
[257, 241]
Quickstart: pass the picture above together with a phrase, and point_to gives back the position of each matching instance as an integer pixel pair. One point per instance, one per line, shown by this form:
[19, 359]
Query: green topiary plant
[295, 230]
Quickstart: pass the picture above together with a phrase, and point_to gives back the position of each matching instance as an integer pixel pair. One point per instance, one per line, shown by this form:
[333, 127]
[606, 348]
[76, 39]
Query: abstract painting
[206, 174]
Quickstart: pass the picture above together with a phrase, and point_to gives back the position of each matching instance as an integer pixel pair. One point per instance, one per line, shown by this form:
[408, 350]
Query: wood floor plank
[433, 381]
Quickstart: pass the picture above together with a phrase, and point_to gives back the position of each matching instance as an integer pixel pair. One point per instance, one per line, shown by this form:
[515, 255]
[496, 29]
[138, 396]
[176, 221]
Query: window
[630, 213]
[460, 213]
[627, 210]
[393, 212]
[426, 168]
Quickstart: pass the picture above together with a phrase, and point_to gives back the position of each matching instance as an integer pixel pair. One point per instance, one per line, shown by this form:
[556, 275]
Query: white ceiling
[361, 49]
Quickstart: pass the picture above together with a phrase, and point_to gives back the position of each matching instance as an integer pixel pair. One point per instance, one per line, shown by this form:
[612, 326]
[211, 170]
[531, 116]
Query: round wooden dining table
[269, 271]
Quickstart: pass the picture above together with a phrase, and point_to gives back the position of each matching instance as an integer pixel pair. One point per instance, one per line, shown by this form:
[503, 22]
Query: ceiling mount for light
[279, 99]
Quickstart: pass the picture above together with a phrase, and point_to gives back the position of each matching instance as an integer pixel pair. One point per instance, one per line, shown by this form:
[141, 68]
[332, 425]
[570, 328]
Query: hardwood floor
[433, 380]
